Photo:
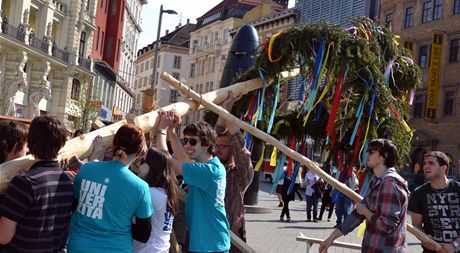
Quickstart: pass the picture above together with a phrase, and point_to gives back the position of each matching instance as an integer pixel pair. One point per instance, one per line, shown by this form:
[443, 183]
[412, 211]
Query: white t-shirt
[310, 180]
[162, 221]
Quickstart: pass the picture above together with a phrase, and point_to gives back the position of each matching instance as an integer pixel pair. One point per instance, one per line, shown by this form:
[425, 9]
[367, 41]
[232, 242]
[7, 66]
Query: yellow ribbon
[361, 229]
[273, 157]
[270, 47]
[259, 163]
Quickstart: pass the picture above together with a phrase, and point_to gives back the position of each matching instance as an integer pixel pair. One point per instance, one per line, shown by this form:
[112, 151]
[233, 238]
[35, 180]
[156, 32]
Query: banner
[434, 76]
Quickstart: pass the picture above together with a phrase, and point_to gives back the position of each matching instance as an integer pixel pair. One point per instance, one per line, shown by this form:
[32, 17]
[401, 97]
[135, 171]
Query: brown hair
[162, 175]
[441, 157]
[222, 131]
[47, 135]
[205, 132]
[13, 137]
[387, 149]
[128, 140]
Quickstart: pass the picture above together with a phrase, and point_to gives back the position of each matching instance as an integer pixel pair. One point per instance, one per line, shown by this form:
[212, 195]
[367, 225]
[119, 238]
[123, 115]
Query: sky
[186, 9]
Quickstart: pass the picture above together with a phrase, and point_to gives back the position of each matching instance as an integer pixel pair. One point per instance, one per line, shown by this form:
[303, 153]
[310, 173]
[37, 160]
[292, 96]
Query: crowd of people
[126, 201]
[129, 200]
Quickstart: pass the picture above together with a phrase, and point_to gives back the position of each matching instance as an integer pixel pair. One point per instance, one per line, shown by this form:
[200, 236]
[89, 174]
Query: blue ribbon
[264, 86]
[319, 63]
[278, 172]
[294, 177]
[275, 104]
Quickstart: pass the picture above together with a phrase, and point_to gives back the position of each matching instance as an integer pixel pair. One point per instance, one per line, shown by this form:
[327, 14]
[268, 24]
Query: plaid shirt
[239, 177]
[388, 200]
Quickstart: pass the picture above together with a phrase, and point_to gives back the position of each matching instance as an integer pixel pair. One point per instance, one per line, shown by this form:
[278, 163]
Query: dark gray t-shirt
[440, 210]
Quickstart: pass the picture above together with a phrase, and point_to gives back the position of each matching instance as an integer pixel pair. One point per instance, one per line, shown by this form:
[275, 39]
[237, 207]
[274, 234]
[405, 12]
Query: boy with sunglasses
[205, 174]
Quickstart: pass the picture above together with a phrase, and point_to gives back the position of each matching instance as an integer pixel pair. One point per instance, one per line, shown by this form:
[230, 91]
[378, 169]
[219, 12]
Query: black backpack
[319, 187]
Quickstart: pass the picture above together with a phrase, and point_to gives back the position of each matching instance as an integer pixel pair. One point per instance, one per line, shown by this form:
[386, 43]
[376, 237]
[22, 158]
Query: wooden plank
[185, 90]
[311, 240]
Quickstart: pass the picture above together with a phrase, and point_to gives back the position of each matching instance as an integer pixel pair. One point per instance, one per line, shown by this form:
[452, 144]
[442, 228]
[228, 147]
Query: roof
[179, 37]
[232, 9]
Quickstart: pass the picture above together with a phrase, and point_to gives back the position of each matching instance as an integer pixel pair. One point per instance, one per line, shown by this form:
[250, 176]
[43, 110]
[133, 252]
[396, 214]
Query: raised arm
[228, 105]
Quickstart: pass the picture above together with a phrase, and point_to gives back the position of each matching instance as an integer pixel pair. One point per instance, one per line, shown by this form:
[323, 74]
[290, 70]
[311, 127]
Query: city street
[267, 234]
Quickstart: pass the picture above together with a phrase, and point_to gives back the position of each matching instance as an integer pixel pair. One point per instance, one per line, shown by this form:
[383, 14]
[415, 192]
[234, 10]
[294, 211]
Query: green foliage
[363, 52]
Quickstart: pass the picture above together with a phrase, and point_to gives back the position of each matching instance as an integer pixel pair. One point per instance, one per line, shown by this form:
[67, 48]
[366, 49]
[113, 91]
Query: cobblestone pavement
[267, 234]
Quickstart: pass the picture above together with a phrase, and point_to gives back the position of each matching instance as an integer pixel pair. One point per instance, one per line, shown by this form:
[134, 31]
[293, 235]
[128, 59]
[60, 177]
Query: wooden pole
[184, 89]
[82, 146]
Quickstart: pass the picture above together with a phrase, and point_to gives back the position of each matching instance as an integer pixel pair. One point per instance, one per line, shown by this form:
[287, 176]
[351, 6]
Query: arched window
[75, 93]
[81, 49]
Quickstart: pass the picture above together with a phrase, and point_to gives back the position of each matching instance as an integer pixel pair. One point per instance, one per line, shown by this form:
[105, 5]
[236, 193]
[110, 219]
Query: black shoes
[280, 204]
[288, 219]
[281, 218]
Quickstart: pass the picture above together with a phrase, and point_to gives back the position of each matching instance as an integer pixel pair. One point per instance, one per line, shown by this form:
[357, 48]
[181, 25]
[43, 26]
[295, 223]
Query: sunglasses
[191, 141]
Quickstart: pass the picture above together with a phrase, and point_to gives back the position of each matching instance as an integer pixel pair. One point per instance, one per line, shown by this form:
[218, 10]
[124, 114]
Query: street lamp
[157, 47]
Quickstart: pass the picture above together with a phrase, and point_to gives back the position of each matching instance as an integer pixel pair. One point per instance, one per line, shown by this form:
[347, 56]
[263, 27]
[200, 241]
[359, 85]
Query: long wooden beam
[185, 90]
[82, 146]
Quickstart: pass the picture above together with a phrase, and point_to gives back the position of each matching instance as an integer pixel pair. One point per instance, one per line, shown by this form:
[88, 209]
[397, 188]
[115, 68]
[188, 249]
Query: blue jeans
[312, 202]
[343, 208]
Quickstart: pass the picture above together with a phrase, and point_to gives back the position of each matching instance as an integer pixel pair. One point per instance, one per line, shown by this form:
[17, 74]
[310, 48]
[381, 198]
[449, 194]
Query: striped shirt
[388, 200]
[40, 201]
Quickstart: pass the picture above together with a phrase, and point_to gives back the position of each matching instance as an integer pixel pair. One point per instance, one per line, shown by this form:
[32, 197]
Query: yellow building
[434, 111]
[211, 41]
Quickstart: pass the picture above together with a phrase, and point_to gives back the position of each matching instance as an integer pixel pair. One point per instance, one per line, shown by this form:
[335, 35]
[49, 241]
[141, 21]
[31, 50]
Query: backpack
[319, 187]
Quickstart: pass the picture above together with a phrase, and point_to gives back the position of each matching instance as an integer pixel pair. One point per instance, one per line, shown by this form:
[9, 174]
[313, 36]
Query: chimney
[188, 21]
[167, 32]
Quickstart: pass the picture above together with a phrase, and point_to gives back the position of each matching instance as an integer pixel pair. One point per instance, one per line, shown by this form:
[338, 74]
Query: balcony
[60, 54]
[40, 44]
[17, 33]
[84, 63]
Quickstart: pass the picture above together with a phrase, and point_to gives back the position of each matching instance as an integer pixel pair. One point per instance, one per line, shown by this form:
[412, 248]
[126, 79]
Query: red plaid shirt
[388, 200]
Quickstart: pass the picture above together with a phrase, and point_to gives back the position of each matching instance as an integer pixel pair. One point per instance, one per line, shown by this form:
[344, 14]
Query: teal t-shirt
[205, 209]
[109, 195]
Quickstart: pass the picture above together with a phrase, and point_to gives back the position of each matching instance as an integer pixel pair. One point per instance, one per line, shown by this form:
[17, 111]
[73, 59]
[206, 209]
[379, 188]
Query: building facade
[173, 58]
[336, 11]
[45, 57]
[116, 36]
[211, 41]
[416, 22]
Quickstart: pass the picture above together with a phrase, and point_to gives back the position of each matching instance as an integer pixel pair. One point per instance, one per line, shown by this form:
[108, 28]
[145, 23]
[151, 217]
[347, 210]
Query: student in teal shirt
[109, 197]
[205, 209]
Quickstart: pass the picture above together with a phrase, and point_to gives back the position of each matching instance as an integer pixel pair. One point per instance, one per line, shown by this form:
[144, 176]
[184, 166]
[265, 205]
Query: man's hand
[324, 246]
[98, 149]
[230, 101]
[447, 248]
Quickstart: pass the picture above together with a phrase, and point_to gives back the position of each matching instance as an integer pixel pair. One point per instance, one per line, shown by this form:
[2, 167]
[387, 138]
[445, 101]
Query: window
[419, 104]
[102, 41]
[81, 49]
[456, 6]
[75, 93]
[173, 96]
[138, 98]
[176, 75]
[177, 61]
[409, 19]
[437, 10]
[194, 46]
[206, 88]
[200, 89]
[449, 103]
[192, 69]
[211, 86]
[409, 45]
[97, 38]
[454, 50]
[149, 79]
[388, 19]
[87, 5]
[426, 14]
[203, 62]
[423, 57]
[137, 69]
[152, 62]
[146, 65]
[142, 67]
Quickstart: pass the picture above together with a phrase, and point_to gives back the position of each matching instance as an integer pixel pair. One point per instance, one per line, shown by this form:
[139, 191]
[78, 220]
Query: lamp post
[157, 48]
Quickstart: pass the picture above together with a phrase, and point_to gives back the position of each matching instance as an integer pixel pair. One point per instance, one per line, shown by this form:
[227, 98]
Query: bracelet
[163, 132]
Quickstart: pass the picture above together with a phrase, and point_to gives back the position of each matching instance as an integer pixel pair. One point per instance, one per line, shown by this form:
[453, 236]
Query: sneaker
[308, 220]
[315, 220]
[280, 204]
[319, 218]
[281, 218]
[288, 219]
